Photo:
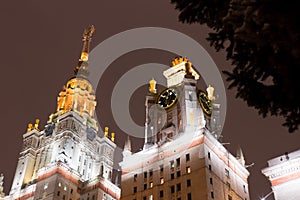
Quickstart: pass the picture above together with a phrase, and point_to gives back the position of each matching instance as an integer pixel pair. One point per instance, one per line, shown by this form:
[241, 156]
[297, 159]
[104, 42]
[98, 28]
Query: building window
[244, 188]
[229, 197]
[227, 172]
[179, 198]
[64, 197]
[212, 195]
[188, 169]
[145, 186]
[228, 185]
[45, 186]
[188, 183]
[65, 188]
[58, 193]
[145, 174]
[59, 184]
[134, 189]
[172, 189]
[71, 191]
[178, 187]
[135, 177]
[151, 172]
[187, 157]
[209, 167]
[177, 161]
[161, 168]
[144, 198]
[172, 176]
[189, 196]
[161, 193]
[208, 155]
[151, 197]
[211, 181]
[178, 173]
[172, 164]
[151, 184]
[190, 96]
[162, 181]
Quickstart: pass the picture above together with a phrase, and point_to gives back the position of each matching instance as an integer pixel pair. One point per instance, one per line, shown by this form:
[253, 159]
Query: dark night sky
[40, 45]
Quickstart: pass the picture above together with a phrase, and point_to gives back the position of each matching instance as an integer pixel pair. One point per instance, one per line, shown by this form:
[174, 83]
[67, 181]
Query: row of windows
[172, 176]
[189, 195]
[172, 164]
[172, 188]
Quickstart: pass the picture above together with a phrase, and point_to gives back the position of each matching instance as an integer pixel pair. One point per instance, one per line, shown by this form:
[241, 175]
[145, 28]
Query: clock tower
[180, 108]
[182, 156]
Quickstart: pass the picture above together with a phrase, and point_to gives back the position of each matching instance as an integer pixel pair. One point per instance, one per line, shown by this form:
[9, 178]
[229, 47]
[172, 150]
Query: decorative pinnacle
[178, 60]
[36, 125]
[152, 87]
[82, 68]
[210, 92]
[112, 137]
[29, 127]
[105, 131]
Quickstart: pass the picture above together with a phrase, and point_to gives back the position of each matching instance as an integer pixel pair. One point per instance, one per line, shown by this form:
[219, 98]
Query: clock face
[205, 103]
[167, 98]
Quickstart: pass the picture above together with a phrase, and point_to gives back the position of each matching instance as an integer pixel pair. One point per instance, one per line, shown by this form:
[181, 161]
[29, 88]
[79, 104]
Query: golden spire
[82, 68]
[77, 94]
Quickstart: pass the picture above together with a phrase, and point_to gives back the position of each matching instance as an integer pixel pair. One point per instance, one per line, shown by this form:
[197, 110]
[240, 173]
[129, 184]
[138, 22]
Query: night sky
[40, 46]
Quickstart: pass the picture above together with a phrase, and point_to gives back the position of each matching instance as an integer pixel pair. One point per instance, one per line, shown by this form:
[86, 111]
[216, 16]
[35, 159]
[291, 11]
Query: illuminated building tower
[68, 159]
[284, 174]
[181, 158]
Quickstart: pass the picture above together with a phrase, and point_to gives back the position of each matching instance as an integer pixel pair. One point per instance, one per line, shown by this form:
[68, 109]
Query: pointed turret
[127, 147]
[240, 156]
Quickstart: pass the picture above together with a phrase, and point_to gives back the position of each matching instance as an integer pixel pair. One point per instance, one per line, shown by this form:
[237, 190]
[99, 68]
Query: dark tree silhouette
[261, 39]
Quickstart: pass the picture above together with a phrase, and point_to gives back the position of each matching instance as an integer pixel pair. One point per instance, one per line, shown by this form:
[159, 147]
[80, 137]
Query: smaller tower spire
[240, 156]
[82, 68]
[127, 147]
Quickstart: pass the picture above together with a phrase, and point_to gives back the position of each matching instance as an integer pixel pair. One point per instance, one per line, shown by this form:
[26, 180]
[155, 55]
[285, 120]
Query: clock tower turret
[179, 108]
